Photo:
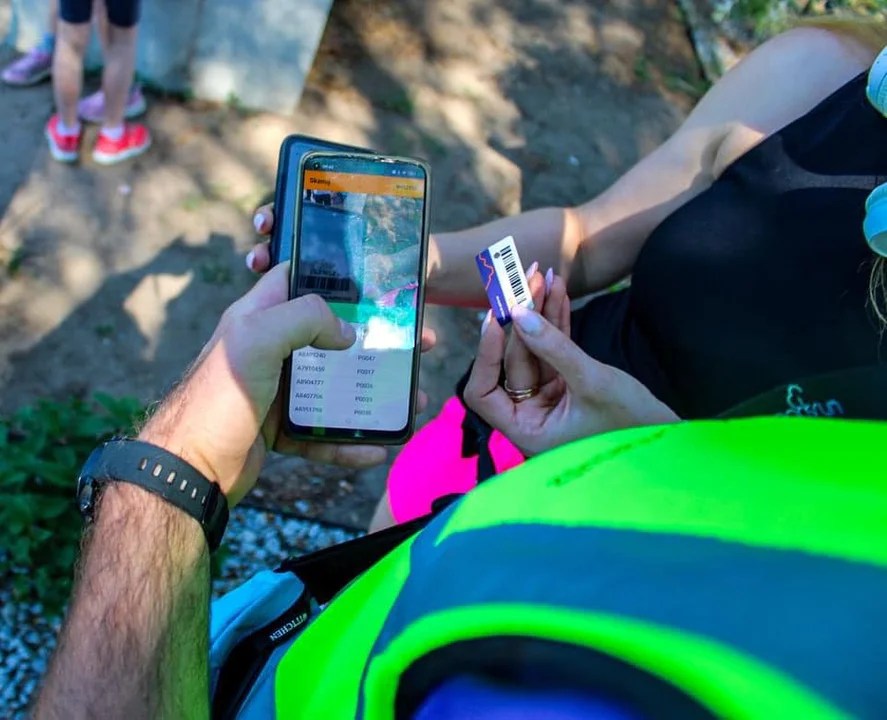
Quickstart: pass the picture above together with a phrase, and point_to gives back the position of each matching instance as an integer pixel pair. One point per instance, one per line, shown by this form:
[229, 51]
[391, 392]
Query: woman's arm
[597, 243]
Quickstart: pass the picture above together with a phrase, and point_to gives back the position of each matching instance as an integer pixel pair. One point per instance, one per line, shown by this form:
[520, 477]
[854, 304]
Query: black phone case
[285, 193]
[371, 437]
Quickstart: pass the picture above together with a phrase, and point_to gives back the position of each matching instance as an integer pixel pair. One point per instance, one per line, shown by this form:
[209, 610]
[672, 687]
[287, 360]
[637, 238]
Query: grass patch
[695, 88]
[15, 261]
[398, 102]
[642, 71]
[42, 448]
[216, 273]
[104, 331]
[193, 202]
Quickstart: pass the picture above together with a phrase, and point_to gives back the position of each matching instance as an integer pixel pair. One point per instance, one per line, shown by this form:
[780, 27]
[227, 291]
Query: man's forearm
[550, 236]
[135, 642]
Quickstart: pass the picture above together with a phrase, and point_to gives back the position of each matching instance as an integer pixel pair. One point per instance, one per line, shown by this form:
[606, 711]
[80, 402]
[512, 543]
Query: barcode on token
[512, 270]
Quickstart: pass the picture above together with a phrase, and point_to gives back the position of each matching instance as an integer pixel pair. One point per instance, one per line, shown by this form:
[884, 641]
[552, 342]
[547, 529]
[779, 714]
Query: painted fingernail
[251, 259]
[549, 279]
[532, 269]
[526, 320]
[259, 222]
[347, 328]
[486, 322]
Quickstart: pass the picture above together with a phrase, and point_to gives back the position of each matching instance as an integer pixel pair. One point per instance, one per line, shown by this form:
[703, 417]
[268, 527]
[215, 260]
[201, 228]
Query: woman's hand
[523, 370]
[577, 396]
[259, 258]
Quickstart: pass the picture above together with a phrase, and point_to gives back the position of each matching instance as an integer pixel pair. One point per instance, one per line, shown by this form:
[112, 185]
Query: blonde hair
[871, 33]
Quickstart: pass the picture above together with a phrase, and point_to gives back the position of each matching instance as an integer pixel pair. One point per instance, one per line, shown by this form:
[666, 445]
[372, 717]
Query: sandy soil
[121, 273]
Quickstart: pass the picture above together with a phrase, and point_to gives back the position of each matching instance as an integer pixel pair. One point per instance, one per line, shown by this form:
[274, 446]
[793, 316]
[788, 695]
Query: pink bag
[432, 464]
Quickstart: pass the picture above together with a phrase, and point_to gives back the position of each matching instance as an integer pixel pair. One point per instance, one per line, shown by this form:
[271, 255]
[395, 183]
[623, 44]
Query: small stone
[28, 688]
[302, 507]
[272, 545]
[573, 160]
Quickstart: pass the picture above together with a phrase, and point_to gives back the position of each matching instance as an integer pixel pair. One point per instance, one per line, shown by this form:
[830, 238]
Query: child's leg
[118, 141]
[36, 65]
[120, 58]
[67, 67]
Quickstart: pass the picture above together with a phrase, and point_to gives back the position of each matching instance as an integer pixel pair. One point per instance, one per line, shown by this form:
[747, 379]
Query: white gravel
[256, 540]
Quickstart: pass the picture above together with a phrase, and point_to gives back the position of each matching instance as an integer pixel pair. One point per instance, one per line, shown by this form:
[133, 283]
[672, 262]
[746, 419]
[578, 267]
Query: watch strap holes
[143, 463]
[158, 468]
[193, 493]
[183, 485]
[170, 477]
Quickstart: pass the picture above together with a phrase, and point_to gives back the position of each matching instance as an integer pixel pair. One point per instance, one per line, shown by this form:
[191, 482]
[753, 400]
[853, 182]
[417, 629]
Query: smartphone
[360, 242]
[292, 150]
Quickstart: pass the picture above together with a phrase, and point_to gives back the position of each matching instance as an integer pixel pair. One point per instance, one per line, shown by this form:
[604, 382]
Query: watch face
[86, 483]
[86, 492]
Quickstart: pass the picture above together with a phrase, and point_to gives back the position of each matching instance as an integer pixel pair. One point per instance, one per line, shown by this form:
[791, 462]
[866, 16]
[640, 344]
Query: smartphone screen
[292, 150]
[360, 243]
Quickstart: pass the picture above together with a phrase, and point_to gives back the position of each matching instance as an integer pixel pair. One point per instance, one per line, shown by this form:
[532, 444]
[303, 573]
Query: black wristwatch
[159, 472]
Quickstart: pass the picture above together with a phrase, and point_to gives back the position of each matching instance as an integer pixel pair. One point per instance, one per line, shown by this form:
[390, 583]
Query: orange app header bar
[323, 181]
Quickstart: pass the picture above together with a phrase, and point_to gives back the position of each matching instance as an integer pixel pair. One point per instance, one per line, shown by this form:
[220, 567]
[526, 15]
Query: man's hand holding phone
[227, 412]
[259, 261]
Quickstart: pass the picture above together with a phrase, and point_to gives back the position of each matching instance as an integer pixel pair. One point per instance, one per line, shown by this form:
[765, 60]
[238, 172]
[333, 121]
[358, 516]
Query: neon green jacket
[728, 569]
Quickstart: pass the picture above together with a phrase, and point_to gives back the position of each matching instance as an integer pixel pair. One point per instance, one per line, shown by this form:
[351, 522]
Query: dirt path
[121, 273]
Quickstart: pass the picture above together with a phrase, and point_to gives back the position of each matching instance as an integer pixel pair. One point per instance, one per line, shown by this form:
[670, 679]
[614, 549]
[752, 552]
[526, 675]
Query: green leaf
[43, 447]
[47, 507]
[12, 478]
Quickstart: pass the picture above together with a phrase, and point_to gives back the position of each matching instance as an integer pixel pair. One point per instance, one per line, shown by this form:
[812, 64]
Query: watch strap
[161, 472]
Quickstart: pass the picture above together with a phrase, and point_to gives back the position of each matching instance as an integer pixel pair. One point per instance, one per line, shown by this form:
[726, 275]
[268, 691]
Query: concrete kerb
[257, 54]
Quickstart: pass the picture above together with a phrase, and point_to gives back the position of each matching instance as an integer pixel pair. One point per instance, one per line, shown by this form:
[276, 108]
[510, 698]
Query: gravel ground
[256, 540]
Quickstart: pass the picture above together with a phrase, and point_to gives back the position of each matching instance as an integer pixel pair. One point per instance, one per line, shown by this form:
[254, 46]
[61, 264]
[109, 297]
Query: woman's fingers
[584, 375]
[259, 258]
[263, 219]
[555, 299]
[429, 339]
[483, 394]
[521, 368]
[566, 321]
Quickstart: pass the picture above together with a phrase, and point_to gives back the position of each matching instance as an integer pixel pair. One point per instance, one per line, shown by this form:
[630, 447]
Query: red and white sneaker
[134, 141]
[63, 147]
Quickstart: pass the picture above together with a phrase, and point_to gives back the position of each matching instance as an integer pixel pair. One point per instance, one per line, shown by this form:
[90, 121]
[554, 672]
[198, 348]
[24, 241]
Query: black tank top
[762, 279]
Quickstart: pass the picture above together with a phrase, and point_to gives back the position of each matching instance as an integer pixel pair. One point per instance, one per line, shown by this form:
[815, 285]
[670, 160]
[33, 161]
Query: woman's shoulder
[780, 81]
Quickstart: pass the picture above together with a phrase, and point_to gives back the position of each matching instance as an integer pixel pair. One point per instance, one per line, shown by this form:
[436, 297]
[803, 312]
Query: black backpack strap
[249, 656]
[856, 394]
[327, 572]
[476, 433]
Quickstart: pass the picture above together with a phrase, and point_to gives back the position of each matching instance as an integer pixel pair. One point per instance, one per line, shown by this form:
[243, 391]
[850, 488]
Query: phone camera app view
[359, 248]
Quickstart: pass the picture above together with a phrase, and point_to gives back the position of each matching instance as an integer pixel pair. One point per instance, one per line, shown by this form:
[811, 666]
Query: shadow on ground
[121, 273]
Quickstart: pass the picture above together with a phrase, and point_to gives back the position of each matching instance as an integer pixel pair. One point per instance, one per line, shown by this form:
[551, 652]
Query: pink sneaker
[29, 69]
[64, 148]
[92, 107]
[134, 141]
